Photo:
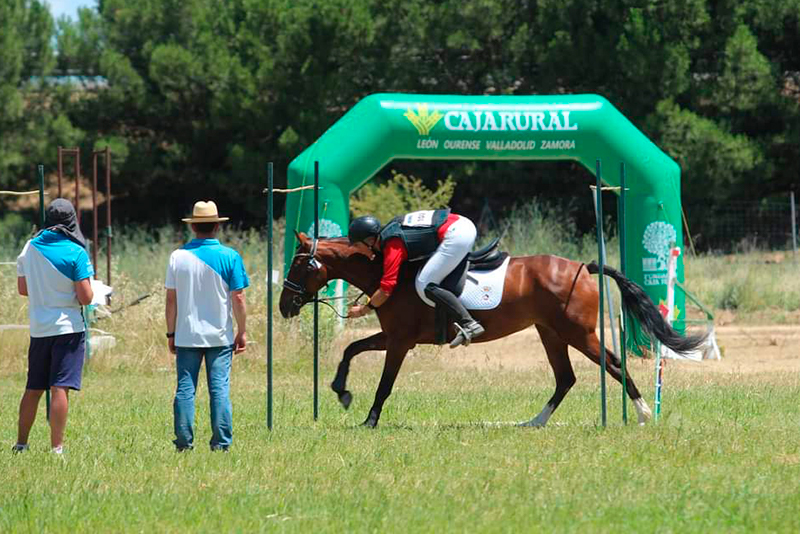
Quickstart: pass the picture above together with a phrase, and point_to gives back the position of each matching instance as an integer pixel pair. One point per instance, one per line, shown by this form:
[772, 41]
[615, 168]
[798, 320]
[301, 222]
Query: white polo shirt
[203, 273]
[51, 264]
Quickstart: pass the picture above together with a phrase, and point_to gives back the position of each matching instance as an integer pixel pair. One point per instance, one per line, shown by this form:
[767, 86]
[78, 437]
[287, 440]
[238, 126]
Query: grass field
[725, 456]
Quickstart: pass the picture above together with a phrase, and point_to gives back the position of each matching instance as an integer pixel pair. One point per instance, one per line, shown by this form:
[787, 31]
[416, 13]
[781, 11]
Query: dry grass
[723, 457]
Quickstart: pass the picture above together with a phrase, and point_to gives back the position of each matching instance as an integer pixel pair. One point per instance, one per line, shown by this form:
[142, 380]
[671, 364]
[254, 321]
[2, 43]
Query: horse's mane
[359, 261]
[408, 270]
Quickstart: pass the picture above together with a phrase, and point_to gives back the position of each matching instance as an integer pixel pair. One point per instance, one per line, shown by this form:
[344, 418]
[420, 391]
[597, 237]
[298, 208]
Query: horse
[557, 295]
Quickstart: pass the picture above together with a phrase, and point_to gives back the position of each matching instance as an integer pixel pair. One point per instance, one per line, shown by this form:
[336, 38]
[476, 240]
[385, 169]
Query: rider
[438, 236]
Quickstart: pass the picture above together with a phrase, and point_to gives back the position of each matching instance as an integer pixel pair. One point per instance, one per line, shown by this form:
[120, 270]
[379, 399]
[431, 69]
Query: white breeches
[457, 243]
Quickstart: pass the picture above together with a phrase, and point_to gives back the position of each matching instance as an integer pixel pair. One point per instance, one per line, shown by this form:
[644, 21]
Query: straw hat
[204, 212]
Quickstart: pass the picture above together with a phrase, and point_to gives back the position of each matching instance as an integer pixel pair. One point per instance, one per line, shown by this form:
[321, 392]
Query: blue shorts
[56, 361]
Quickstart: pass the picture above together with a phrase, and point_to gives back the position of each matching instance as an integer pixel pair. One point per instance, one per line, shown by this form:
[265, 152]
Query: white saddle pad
[483, 290]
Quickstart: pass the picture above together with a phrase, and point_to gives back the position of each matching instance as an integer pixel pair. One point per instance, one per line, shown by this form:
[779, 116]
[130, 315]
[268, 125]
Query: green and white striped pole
[316, 300]
[601, 284]
[623, 316]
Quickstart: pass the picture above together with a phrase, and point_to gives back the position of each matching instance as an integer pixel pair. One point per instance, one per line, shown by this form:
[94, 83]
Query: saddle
[483, 259]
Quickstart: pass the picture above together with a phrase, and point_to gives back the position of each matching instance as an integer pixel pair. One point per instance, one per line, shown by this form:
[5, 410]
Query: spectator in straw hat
[54, 272]
[205, 282]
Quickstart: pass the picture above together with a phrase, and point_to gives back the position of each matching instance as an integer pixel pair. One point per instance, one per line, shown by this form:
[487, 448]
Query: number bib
[419, 219]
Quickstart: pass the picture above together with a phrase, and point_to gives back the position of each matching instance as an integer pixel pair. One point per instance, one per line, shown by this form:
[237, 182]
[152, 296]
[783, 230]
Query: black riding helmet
[362, 228]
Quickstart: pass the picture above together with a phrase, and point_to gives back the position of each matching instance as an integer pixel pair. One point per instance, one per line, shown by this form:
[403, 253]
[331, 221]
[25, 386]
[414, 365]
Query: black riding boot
[467, 327]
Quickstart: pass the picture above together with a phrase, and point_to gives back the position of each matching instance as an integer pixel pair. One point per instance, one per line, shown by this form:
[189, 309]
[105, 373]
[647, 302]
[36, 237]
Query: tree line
[194, 97]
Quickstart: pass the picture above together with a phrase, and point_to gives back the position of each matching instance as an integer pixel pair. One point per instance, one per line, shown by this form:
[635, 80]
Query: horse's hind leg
[339, 384]
[589, 344]
[558, 357]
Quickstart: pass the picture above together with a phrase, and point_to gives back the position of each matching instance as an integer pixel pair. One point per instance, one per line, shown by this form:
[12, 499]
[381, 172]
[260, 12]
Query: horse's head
[307, 275]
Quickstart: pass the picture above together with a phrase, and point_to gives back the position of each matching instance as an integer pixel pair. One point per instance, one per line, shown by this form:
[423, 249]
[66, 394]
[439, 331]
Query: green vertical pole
[316, 302]
[659, 360]
[794, 223]
[601, 283]
[41, 227]
[659, 364]
[623, 319]
[87, 320]
[41, 196]
[269, 295]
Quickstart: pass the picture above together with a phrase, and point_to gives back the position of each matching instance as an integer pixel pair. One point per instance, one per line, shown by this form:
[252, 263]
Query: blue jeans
[218, 372]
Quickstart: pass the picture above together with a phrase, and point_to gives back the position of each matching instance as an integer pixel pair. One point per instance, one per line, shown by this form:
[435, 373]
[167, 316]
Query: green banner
[584, 128]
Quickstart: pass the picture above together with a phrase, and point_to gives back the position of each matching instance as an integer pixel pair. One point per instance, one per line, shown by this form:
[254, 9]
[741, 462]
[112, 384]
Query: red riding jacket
[395, 253]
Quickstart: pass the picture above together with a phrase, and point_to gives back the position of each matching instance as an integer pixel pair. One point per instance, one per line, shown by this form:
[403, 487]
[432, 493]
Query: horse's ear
[302, 239]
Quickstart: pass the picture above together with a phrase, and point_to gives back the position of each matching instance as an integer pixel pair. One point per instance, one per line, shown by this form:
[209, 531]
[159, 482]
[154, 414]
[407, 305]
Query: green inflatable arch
[384, 127]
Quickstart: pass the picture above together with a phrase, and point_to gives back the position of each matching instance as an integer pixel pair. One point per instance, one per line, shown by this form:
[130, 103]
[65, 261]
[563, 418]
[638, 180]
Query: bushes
[14, 231]
[401, 194]
[537, 228]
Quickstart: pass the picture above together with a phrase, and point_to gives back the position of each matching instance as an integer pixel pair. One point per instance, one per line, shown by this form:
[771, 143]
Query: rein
[325, 301]
[300, 291]
[291, 286]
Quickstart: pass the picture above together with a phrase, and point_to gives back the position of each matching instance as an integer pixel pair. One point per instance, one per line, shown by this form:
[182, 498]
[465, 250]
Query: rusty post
[108, 214]
[107, 153]
[60, 169]
[94, 211]
[77, 153]
[78, 184]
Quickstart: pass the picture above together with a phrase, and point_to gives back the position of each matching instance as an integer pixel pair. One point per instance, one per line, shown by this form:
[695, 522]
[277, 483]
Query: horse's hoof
[371, 421]
[530, 424]
[345, 397]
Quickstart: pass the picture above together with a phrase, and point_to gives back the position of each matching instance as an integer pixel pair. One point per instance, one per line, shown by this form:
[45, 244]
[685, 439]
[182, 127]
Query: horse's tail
[636, 301]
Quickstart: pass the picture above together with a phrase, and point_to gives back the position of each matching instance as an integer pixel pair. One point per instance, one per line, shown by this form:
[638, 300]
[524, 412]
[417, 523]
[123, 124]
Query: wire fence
[744, 226]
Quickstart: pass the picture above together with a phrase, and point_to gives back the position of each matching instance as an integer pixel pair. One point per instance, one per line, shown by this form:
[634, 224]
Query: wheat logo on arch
[422, 120]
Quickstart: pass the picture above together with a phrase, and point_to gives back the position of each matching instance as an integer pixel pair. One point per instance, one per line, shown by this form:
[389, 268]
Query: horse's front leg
[339, 384]
[395, 354]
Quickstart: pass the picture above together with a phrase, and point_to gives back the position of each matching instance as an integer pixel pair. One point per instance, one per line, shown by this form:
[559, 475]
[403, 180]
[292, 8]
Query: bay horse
[557, 295]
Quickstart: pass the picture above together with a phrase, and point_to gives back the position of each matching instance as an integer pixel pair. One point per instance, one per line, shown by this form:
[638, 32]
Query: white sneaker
[57, 450]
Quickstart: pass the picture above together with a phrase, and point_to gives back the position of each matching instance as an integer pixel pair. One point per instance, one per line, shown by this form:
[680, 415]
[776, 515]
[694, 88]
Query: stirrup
[464, 335]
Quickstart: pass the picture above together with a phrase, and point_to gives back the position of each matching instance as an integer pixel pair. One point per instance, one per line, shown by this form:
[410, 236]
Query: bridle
[301, 295]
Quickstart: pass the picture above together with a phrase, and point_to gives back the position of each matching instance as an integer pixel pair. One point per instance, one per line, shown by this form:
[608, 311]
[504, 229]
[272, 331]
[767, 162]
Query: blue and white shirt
[51, 264]
[203, 273]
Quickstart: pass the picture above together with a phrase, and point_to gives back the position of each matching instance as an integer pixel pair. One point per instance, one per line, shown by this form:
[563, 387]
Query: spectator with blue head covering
[54, 272]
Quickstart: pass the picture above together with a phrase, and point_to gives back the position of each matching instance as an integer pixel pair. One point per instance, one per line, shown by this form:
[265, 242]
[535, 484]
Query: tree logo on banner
[658, 237]
[327, 228]
[422, 120]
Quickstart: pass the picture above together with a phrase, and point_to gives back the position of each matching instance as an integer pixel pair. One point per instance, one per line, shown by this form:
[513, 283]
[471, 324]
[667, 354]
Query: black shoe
[466, 333]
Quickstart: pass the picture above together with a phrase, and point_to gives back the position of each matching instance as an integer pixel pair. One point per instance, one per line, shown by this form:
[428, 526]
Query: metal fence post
[794, 224]
[316, 301]
[623, 322]
[269, 295]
